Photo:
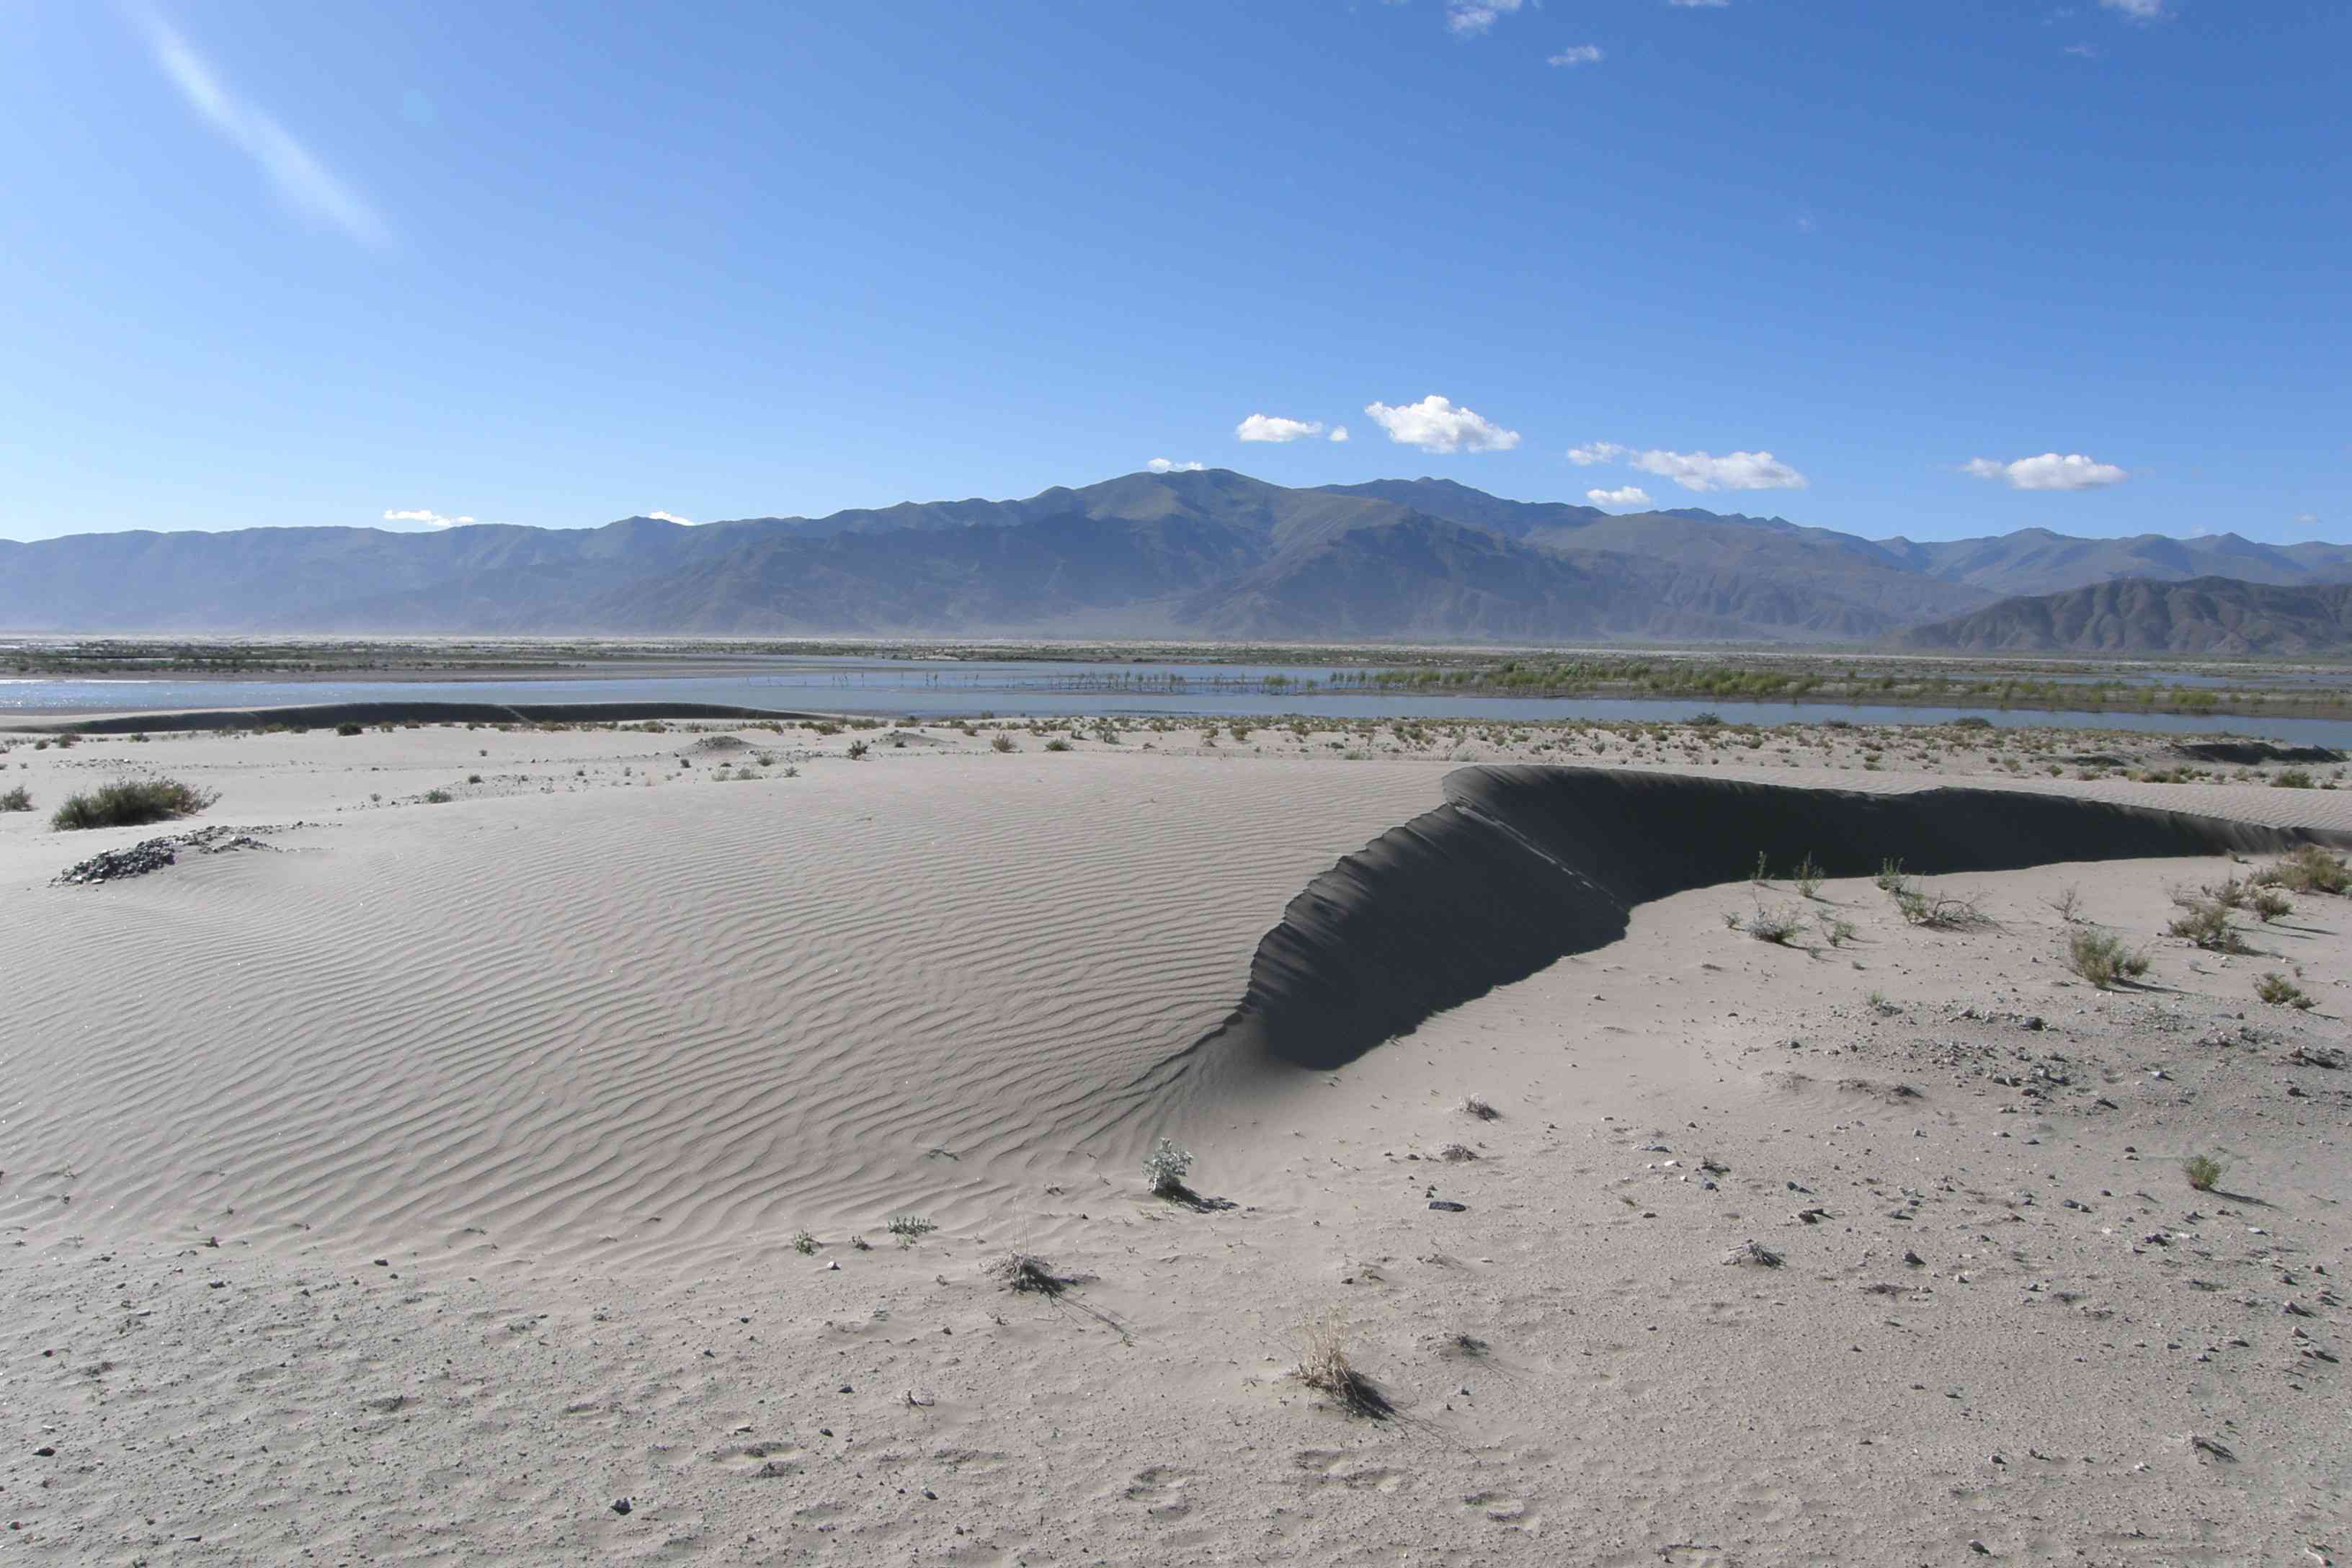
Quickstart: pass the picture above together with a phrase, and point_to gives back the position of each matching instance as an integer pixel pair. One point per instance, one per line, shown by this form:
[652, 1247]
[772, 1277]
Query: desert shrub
[436, 797]
[2280, 992]
[803, 1242]
[2208, 925]
[1457, 1153]
[1705, 721]
[1808, 877]
[1474, 1106]
[18, 799]
[1971, 722]
[127, 802]
[1835, 932]
[2310, 870]
[2069, 904]
[1777, 926]
[2101, 958]
[2229, 895]
[1002, 743]
[1890, 877]
[473, 778]
[1165, 1168]
[2202, 1171]
[350, 727]
[909, 1228]
[1936, 911]
[1057, 744]
[1323, 1366]
[858, 750]
[2292, 778]
[2269, 904]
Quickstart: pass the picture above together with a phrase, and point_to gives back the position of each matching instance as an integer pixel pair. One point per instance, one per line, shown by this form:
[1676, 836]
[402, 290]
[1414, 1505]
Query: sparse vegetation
[2101, 958]
[2267, 904]
[1808, 876]
[858, 750]
[2207, 924]
[1021, 1272]
[1323, 1366]
[2069, 902]
[2292, 778]
[127, 803]
[2310, 870]
[2280, 992]
[1457, 1153]
[18, 799]
[2202, 1171]
[803, 1242]
[350, 727]
[1165, 1168]
[1003, 742]
[909, 1228]
[436, 797]
[1777, 926]
[1474, 1106]
[1057, 744]
[1835, 932]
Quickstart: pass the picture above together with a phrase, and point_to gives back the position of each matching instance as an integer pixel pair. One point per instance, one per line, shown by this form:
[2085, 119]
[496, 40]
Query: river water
[973, 688]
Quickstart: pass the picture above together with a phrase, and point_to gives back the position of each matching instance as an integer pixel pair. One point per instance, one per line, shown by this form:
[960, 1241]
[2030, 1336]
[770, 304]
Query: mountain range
[2221, 615]
[1207, 554]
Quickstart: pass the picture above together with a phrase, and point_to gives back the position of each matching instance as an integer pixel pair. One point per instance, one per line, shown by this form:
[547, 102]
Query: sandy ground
[425, 1185]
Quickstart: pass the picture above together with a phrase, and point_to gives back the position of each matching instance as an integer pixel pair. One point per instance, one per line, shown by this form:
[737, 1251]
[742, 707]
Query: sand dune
[427, 1184]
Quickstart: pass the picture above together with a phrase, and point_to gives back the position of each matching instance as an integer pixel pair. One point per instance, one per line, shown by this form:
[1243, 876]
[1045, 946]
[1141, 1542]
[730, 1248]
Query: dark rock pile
[155, 854]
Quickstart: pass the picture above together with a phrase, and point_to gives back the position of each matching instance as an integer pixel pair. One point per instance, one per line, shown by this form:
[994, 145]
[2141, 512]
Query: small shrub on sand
[1808, 877]
[1021, 1272]
[803, 1242]
[1323, 1366]
[1835, 932]
[350, 727]
[909, 1228]
[2102, 959]
[1165, 1168]
[2069, 904]
[1890, 877]
[1002, 743]
[2292, 778]
[1457, 1153]
[437, 797]
[2267, 904]
[127, 802]
[18, 799]
[1777, 926]
[1936, 911]
[1474, 1106]
[1057, 744]
[2229, 895]
[858, 750]
[2202, 1171]
[2208, 926]
[2310, 870]
[2280, 992]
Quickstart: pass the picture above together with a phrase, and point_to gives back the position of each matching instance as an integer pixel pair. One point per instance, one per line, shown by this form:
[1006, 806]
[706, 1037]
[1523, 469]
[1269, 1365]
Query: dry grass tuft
[1323, 1366]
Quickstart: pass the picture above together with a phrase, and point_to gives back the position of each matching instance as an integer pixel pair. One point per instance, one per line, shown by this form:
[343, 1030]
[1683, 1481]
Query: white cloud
[2138, 10]
[2082, 51]
[425, 517]
[1274, 427]
[1171, 466]
[1339, 433]
[1597, 452]
[303, 182]
[1627, 495]
[1436, 424]
[1732, 471]
[1578, 54]
[1699, 4]
[670, 517]
[2049, 472]
[2307, 519]
[1477, 16]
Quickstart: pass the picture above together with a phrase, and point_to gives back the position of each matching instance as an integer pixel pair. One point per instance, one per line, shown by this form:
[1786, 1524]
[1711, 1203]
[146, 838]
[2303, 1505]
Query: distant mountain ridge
[2139, 615]
[1208, 552]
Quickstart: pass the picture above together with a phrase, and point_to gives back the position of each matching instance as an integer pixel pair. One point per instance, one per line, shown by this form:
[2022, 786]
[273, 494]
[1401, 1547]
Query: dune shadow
[1522, 866]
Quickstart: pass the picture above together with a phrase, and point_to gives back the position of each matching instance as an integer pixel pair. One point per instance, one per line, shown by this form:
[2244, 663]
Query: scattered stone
[621, 1505]
[1448, 1205]
[155, 854]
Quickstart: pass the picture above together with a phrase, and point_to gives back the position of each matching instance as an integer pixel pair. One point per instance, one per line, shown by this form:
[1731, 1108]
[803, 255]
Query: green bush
[127, 802]
[2206, 925]
[2202, 1171]
[2102, 959]
[349, 727]
[2280, 992]
[2292, 778]
[18, 799]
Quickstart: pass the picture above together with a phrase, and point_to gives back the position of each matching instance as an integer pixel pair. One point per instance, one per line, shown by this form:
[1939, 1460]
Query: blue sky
[1881, 265]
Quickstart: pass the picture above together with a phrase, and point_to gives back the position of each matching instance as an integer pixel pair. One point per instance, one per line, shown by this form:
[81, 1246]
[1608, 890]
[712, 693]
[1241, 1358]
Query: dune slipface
[1522, 866]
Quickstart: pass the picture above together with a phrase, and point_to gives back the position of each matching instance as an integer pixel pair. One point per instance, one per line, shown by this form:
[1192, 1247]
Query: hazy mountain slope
[1208, 550]
[1424, 577]
[2036, 561]
[2138, 615]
